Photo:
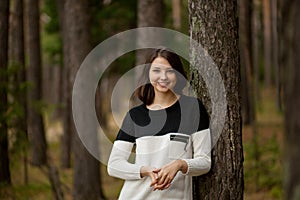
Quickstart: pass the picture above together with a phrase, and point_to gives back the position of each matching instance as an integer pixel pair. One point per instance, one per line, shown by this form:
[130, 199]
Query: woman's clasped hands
[161, 178]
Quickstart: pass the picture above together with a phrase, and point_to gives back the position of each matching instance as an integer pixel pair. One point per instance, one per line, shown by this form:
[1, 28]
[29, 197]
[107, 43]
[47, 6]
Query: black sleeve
[126, 133]
[204, 118]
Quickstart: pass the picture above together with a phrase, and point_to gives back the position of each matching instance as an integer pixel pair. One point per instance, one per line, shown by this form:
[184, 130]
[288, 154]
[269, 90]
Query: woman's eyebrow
[156, 67]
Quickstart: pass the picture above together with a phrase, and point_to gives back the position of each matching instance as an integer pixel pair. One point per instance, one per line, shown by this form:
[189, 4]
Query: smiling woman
[171, 133]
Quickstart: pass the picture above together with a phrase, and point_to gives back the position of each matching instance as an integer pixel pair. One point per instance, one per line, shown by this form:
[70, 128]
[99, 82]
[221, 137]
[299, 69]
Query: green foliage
[263, 165]
[51, 39]
[111, 19]
[50, 10]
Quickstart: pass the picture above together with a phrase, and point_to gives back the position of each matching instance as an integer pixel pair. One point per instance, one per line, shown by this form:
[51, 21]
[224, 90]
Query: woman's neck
[163, 100]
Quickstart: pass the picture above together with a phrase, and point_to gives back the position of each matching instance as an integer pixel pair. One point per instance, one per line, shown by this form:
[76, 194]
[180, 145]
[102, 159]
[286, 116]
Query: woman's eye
[170, 71]
[156, 70]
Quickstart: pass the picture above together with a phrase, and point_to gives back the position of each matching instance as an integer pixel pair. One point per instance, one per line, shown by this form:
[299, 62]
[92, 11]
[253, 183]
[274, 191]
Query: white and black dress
[180, 131]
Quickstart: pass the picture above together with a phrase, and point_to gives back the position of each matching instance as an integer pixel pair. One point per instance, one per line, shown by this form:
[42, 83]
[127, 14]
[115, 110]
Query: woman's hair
[146, 91]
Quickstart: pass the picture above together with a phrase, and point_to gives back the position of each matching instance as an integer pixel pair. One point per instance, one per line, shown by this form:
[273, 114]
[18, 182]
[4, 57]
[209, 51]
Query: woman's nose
[163, 75]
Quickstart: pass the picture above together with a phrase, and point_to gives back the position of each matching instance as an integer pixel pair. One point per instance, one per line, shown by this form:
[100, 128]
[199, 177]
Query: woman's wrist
[183, 167]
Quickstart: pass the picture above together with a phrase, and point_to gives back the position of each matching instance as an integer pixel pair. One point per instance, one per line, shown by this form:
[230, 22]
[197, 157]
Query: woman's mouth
[163, 84]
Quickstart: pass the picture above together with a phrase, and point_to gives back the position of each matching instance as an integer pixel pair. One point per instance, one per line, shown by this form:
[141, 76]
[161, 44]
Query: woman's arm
[198, 165]
[201, 161]
[118, 165]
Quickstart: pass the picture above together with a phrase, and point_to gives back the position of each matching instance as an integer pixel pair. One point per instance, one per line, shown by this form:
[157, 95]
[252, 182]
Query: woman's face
[162, 76]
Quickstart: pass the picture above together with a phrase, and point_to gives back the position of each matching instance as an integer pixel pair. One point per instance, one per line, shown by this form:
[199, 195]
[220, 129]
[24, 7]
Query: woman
[170, 131]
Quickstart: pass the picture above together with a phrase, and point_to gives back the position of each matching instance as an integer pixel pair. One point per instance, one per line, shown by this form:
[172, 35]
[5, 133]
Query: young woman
[170, 131]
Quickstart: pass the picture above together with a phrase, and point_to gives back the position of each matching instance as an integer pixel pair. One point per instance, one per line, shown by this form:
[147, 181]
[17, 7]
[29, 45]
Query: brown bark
[4, 158]
[176, 13]
[247, 90]
[275, 55]
[66, 88]
[267, 42]
[150, 14]
[290, 29]
[214, 25]
[36, 130]
[256, 29]
[18, 58]
[86, 168]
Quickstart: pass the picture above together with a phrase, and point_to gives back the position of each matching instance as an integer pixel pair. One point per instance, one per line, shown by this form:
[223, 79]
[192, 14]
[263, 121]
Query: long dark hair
[146, 91]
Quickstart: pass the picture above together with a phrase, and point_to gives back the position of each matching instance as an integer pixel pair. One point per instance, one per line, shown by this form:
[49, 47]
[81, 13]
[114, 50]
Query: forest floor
[262, 162]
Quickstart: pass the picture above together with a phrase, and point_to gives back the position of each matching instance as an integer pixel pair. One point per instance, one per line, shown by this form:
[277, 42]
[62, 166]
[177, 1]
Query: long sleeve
[201, 161]
[118, 164]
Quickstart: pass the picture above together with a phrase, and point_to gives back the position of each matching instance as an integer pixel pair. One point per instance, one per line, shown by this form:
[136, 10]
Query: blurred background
[41, 67]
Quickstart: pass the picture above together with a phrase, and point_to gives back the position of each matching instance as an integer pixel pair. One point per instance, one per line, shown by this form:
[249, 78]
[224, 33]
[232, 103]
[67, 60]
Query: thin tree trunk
[256, 28]
[36, 130]
[290, 54]
[18, 57]
[220, 40]
[176, 13]
[66, 88]
[150, 14]
[86, 168]
[267, 42]
[248, 109]
[4, 158]
[275, 55]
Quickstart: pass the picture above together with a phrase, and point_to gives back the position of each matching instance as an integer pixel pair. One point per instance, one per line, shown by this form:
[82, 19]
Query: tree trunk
[291, 61]
[176, 8]
[267, 42]
[18, 58]
[36, 130]
[150, 14]
[256, 29]
[214, 24]
[4, 158]
[247, 91]
[86, 167]
[275, 54]
[66, 88]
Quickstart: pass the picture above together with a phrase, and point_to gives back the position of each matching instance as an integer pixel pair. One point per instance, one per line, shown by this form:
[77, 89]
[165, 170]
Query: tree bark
[86, 168]
[36, 130]
[275, 55]
[247, 91]
[214, 24]
[290, 54]
[67, 136]
[18, 58]
[256, 29]
[176, 13]
[150, 14]
[267, 42]
[4, 158]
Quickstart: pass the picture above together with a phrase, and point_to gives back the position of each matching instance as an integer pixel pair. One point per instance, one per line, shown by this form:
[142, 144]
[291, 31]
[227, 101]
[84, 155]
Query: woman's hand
[167, 173]
[149, 171]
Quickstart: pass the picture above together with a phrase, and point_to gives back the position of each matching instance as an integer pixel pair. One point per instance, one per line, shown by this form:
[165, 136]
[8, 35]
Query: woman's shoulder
[137, 110]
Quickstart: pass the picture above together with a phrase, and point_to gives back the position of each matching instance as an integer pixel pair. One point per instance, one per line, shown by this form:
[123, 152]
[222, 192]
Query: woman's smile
[162, 76]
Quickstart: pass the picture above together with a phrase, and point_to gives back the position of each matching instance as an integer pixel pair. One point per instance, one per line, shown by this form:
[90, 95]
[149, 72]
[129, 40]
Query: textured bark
[66, 88]
[4, 159]
[290, 54]
[214, 24]
[86, 168]
[247, 91]
[36, 130]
